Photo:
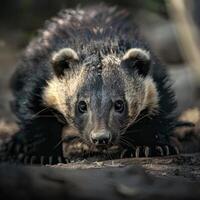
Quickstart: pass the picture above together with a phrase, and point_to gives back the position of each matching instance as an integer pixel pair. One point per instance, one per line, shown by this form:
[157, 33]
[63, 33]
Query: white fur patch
[65, 53]
[136, 52]
[151, 96]
[140, 93]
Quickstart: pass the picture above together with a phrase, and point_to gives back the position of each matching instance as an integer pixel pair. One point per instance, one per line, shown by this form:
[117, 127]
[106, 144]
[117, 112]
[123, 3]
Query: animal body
[89, 79]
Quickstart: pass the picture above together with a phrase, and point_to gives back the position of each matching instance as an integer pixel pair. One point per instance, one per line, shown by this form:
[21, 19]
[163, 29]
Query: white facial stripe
[59, 89]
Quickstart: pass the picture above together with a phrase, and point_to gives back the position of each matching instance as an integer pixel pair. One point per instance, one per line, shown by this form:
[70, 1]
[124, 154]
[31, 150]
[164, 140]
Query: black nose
[102, 137]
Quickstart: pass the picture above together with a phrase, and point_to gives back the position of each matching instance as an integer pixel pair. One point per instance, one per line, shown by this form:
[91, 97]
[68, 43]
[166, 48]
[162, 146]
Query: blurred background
[170, 28]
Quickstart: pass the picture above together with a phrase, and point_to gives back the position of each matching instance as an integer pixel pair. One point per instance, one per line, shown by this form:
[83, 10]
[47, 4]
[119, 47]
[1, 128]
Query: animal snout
[101, 137]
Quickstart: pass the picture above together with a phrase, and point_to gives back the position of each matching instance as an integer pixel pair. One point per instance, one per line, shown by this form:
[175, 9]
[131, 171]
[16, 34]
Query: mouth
[101, 153]
[107, 148]
[112, 146]
[79, 149]
[113, 149]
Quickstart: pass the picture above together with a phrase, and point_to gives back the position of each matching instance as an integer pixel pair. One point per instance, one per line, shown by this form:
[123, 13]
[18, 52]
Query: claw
[123, 153]
[160, 150]
[147, 151]
[137, 152]
[42, 160]
[59, 159]
[20, 157]
[50, 160]
[67, 160]
[176, 150]
[132, 155]
[167, 150]
[26, 160]
[33, 158]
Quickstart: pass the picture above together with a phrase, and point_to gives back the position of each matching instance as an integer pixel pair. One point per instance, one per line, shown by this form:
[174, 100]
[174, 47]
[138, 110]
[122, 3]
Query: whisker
[127, 138]
[56, 146]
[126, 142]
[109, 155]
[131, 131]
[36, 114]
[138, 120]
[47, 116]
[62, 120]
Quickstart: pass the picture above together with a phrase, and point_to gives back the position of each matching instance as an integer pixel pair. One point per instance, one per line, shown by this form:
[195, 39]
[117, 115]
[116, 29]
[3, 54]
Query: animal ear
[138, 59]
[61, 60]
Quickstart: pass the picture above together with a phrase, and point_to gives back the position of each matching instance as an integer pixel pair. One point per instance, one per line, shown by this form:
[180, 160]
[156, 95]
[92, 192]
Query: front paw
[75, 150]
[149, 151]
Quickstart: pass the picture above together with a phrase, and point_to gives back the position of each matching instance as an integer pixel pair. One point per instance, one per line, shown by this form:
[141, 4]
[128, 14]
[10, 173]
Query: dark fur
[42, 130]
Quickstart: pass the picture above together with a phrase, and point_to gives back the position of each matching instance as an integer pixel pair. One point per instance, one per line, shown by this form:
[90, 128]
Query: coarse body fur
[100, 36]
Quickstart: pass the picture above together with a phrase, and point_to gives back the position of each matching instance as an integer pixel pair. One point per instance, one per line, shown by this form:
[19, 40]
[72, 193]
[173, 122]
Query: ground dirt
[174, 177]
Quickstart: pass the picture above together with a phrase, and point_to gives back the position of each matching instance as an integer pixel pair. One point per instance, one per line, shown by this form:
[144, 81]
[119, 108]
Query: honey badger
[89, 78]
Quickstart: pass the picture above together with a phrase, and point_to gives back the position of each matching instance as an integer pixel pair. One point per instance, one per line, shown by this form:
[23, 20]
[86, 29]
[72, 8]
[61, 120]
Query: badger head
[101, 95]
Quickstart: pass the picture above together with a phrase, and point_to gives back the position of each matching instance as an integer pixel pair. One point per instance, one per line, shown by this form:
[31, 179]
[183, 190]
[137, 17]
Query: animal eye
[82, 107]
[119, 106]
